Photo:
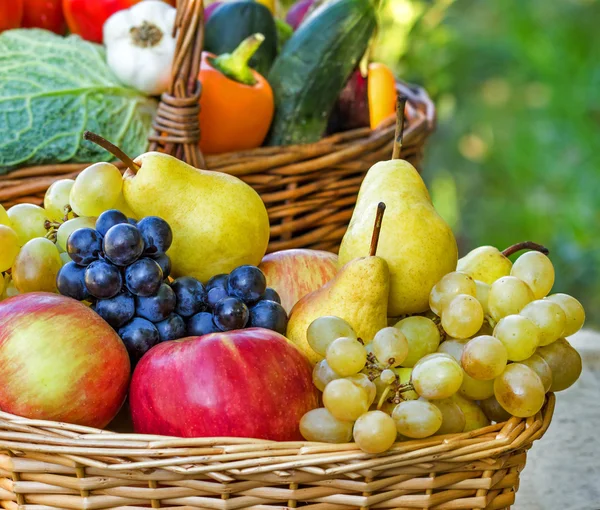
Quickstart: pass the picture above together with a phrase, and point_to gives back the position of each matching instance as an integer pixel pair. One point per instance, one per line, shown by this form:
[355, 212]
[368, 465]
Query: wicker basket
[47, 465]
[309, 190]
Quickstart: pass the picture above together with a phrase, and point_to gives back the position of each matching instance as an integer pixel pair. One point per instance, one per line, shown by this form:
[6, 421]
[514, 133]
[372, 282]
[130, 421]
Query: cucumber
[314, 66]
[232, 22]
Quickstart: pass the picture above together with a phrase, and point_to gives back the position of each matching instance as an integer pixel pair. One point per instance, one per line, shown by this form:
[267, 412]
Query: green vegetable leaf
[52, 89]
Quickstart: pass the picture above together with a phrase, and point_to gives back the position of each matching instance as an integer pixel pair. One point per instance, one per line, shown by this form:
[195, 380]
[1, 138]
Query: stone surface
[563, 468]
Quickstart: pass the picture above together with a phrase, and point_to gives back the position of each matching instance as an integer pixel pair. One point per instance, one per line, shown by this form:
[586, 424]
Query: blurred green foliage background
[516, 154]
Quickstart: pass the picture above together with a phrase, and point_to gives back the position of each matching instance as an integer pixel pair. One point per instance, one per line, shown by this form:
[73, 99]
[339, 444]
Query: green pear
[218, 221]
[358, 294]
[485, 264]
[416, 242]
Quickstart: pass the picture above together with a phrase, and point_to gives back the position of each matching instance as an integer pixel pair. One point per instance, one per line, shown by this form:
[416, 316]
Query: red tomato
[46, 14]
[11, 14]
[86, 17]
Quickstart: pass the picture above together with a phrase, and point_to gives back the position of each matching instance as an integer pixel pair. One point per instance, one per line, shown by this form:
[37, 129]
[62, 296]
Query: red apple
[60, 361]
[295, 273]
[86, 17]
[46, 14]
[244, 383]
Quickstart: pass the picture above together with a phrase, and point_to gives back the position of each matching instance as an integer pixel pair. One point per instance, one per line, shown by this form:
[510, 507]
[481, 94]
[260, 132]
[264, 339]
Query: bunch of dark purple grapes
[121, 267]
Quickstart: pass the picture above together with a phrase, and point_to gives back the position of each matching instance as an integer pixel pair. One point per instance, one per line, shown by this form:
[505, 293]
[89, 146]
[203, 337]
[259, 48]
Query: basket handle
[176, 129]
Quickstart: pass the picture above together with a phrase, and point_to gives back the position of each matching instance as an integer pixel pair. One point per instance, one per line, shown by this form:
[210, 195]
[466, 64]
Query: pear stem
[525, 245]
[377, 229]
[113, 149]
[400, 106]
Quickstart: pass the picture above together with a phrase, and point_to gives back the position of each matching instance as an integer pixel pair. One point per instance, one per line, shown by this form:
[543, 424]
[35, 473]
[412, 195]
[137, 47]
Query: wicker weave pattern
[46, 465]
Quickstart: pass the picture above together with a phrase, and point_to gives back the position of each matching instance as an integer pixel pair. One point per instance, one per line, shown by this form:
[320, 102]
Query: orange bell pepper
[381, 90]
[236, 105]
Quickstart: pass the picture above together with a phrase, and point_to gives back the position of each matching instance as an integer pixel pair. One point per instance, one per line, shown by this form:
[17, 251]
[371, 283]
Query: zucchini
[232, 22]
[314, 66]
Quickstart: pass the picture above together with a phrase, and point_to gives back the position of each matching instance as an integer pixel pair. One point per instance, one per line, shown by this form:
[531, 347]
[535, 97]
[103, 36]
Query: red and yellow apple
[60, 361]
[243, 383]
[296, 273]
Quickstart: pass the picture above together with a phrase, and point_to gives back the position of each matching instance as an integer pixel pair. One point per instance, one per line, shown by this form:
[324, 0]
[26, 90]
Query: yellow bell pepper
[381, 90]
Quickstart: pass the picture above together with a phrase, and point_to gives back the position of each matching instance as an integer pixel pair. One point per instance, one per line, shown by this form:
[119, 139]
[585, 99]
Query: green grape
[548, 316]
[453, 347]
[374, 432]
[324, 330]
[462, 317]
[564, 362]
[387, 376]
[474, 416]
[484, 358]
[493, 410]
[423, 338]
[508, 296]
[482, 294]
[519, 335]
[57, 198]
[363, 381]
[4, 219]
[68, 227]
[574, 312]
[96, 189]
[417, 418]
[474, 389]
[437, 376]
[321, 426]
[485, 263]
[323, 374]
[519, 390]
[390, 347]
[345, 400]
[453, 418]
[449, 286]
[346, 356]
[28, 221]
[36, 266]
[536, 270]
[9, 241]
[541, 368]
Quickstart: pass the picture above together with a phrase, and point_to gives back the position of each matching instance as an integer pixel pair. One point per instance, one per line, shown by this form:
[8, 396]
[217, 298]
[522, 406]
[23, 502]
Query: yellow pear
[358, 294]
[416, 242]
[218, 221]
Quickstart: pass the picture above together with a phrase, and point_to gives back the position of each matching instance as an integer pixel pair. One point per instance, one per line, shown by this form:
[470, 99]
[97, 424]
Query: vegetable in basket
[47, 14]
[381, 90]
[236, 106]
[11, 14]
[140, 45]
[232, 22]
[314, 66]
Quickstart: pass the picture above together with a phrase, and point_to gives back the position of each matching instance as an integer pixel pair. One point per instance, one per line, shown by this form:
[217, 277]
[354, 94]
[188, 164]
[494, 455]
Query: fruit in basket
[423, 338]
[548, 316]
[69, 226]
[211, 386]
[28, 221]
[296, 273]
[374, 432]
[210, 235]
[236, 105]
[475, 418]
[140, 45]
[519, 335]
[519, 390]
[417, 418]
[10, 247]
[508, 295]
[47, 14]
[57, 199]
[486, 264]
[415, 266]
[462, 317]
[574, 312]
[36, 266]
[536, 270]
[314, 66]
[60, 361]
[298, 12]
[86, 17]
[320, 425]
[484, 357]
[564, 362]
[437, 376]
[232, 22]
[96, 189]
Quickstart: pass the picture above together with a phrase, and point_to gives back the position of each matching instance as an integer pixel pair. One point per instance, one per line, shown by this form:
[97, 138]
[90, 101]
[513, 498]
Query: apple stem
[400, 106]
[525, 245]
[113, 149]
[377, 229]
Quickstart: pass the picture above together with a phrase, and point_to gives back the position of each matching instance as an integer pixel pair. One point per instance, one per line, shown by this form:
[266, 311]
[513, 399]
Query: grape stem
[400, 106]
[525, 245]
[113, 149]
[377, 229]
